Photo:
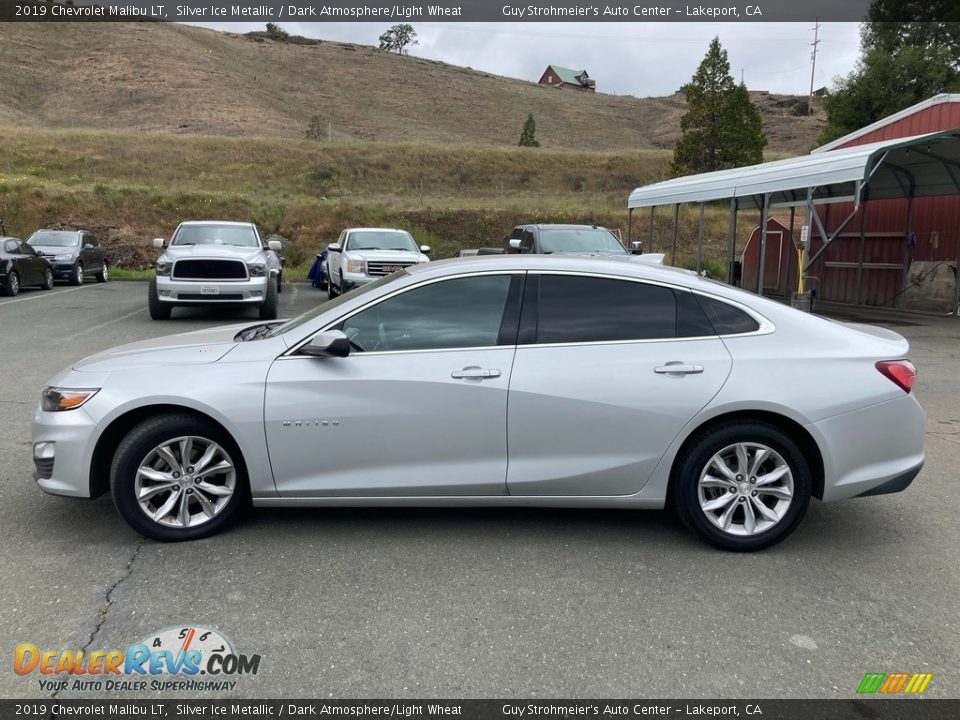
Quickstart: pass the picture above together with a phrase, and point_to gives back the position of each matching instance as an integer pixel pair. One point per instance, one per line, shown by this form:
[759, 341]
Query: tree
[398, 38]
[528, 136]
[318, 129]
[901, 64]
[275, 32]
[722, 128]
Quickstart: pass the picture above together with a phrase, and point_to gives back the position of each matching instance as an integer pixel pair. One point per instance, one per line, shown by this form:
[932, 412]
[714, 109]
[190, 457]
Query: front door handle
[475, 372]
[676, 367]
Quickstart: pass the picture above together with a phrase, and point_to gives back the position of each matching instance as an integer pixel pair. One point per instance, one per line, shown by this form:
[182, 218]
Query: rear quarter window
[727, 319]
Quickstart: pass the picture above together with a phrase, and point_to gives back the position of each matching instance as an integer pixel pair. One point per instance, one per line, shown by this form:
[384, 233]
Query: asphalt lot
[480, 603]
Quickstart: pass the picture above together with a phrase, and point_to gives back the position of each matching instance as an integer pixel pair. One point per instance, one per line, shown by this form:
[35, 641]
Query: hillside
[176, 79]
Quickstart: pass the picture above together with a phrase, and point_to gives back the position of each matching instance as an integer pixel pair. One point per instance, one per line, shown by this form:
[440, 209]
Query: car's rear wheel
[268, 308]
[12, 285]
[158, 310]
[104, 274]
[178, 477]
[76, 278]
[742, 486]
[47, 279]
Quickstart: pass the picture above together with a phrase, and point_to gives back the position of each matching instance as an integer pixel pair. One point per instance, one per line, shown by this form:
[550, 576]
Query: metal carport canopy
[923, 165]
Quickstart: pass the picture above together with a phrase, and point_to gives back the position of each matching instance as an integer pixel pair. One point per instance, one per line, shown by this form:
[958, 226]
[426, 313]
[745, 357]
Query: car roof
[372, 229]
[4, 238]
[563, 226]
[59, 230]
[217, 222]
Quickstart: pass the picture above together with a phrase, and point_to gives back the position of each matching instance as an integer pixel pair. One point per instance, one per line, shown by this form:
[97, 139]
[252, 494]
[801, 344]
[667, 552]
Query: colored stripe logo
[894, 683]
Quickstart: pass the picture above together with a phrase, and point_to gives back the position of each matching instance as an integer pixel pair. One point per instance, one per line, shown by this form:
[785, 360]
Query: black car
[74, 254]
[21, 265]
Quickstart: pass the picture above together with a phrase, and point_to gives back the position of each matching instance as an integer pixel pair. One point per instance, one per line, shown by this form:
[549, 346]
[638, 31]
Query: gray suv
[74, 254]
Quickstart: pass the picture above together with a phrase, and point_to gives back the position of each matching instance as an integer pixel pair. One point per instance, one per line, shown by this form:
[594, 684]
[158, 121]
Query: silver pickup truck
[216, 263]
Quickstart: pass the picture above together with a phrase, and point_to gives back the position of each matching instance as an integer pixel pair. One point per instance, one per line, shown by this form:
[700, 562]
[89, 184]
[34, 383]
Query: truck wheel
[158, 310]
[279, 283]
[268, 308]
[331, 290]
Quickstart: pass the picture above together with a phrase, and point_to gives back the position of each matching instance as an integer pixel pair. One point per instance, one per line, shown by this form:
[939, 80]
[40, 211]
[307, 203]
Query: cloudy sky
[642, 59]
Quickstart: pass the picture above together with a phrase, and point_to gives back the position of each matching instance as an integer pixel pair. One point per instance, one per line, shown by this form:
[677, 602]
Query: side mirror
[333, 247]
[275, 245]
[332, 343]
[425, 249]
[515, 244]
[636, 248]
[158, 243]
[88, 246]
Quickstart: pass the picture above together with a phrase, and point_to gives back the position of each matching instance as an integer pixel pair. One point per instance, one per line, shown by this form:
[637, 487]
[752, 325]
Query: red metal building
[893, 246]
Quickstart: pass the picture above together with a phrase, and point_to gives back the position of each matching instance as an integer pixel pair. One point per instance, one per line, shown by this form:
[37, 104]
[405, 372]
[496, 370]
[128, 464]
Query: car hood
[197, 347]
[54, 250]
[226, 252]
[386, 255]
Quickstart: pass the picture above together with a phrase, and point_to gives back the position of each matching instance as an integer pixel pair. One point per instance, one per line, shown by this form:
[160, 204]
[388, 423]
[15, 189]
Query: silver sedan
[499, 380]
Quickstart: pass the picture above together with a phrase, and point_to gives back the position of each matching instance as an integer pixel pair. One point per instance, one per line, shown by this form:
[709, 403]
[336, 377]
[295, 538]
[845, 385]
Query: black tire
[47, 280]
[331, 290]
[12, 286]
[268, 308]
[77, 277]
[279, 283]
[134, 449]
[104, 274]
[686, 478]
[158, 310]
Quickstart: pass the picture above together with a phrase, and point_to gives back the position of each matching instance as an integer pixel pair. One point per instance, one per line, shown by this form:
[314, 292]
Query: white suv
[364, 254]
[216, 263]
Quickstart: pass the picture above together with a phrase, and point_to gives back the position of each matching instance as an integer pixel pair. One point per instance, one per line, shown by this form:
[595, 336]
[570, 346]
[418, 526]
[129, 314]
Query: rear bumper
[873, 450]
[211, 292]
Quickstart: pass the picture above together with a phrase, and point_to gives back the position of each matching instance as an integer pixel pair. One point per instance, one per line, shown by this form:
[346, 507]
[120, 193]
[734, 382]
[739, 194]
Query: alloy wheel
[185, 482]
[745, 489]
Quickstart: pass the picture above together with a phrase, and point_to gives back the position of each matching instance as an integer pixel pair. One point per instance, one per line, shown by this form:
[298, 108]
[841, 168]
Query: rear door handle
[678, 368]
[475, 372]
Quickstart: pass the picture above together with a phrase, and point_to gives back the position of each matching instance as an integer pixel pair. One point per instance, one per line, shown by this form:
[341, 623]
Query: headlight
[356, 266]
[257, 269]
[57, 399]
[163, 268]
[63, 256]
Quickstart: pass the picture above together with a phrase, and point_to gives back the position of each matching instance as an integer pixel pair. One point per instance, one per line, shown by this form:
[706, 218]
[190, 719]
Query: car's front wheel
[742, 486]
[47, 279]
[178, 477]
[268, 308]
[12, 286]
[76, 277]
[158, 310]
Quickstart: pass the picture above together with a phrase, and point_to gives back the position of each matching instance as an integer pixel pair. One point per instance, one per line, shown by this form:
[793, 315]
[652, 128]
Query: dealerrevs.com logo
[191, 658]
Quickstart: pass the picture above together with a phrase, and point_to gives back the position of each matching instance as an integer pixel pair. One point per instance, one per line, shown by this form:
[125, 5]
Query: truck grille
[209, 270]
[379, 269]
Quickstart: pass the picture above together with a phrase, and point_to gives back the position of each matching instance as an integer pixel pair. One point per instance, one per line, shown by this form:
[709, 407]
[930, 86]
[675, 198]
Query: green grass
[122, 273]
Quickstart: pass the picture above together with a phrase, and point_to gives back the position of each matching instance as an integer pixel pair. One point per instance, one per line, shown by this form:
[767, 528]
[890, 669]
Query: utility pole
[813, 68]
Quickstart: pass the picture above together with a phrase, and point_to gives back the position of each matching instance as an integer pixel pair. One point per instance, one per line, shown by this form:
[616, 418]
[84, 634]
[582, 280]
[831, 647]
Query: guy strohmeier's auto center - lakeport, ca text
[227, 11]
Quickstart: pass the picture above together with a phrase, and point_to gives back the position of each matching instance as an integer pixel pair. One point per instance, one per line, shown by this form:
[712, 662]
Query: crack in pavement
[107, 603]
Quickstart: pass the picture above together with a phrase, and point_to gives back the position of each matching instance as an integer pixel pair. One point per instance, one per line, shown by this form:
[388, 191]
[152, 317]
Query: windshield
[381, 240]
[580, 240]
[336, 302]
[54, 238]
[242, 235]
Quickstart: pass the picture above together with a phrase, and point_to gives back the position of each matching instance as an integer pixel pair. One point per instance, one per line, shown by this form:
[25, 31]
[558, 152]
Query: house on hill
[561, 77]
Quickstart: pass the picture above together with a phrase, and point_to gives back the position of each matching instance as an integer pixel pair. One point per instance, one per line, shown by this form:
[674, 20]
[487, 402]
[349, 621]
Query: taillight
[902, 372]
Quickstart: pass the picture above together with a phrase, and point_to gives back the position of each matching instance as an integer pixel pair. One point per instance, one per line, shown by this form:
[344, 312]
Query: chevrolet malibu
[513, 380]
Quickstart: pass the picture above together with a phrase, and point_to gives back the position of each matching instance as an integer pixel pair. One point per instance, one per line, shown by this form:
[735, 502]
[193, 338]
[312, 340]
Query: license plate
[209, 290]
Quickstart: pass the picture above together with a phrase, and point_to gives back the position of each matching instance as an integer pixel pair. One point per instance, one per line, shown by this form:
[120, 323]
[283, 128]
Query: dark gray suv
[74, 254]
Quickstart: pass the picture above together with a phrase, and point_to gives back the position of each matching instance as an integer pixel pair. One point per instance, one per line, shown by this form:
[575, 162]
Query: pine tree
[722, 127]
[528, 134]
[901, 64]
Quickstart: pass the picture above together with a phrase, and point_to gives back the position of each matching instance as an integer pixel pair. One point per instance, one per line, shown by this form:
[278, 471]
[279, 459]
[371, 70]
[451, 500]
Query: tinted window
[691, 320]
[726, 319]
[463, 312]
[54, 238]
[582, 309]
[211, 234]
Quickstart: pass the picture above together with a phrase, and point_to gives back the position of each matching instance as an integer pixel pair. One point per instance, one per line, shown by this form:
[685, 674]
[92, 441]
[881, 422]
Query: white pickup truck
[216, 263]
[361, 255]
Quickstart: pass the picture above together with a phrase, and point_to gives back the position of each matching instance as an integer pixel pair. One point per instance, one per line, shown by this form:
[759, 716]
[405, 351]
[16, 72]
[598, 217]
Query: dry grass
[167, 78]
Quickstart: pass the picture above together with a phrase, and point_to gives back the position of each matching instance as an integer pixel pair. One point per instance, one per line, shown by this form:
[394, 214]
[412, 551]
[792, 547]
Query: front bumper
[349, 280]
[73, 436]
[204, 292]
[62, 270]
